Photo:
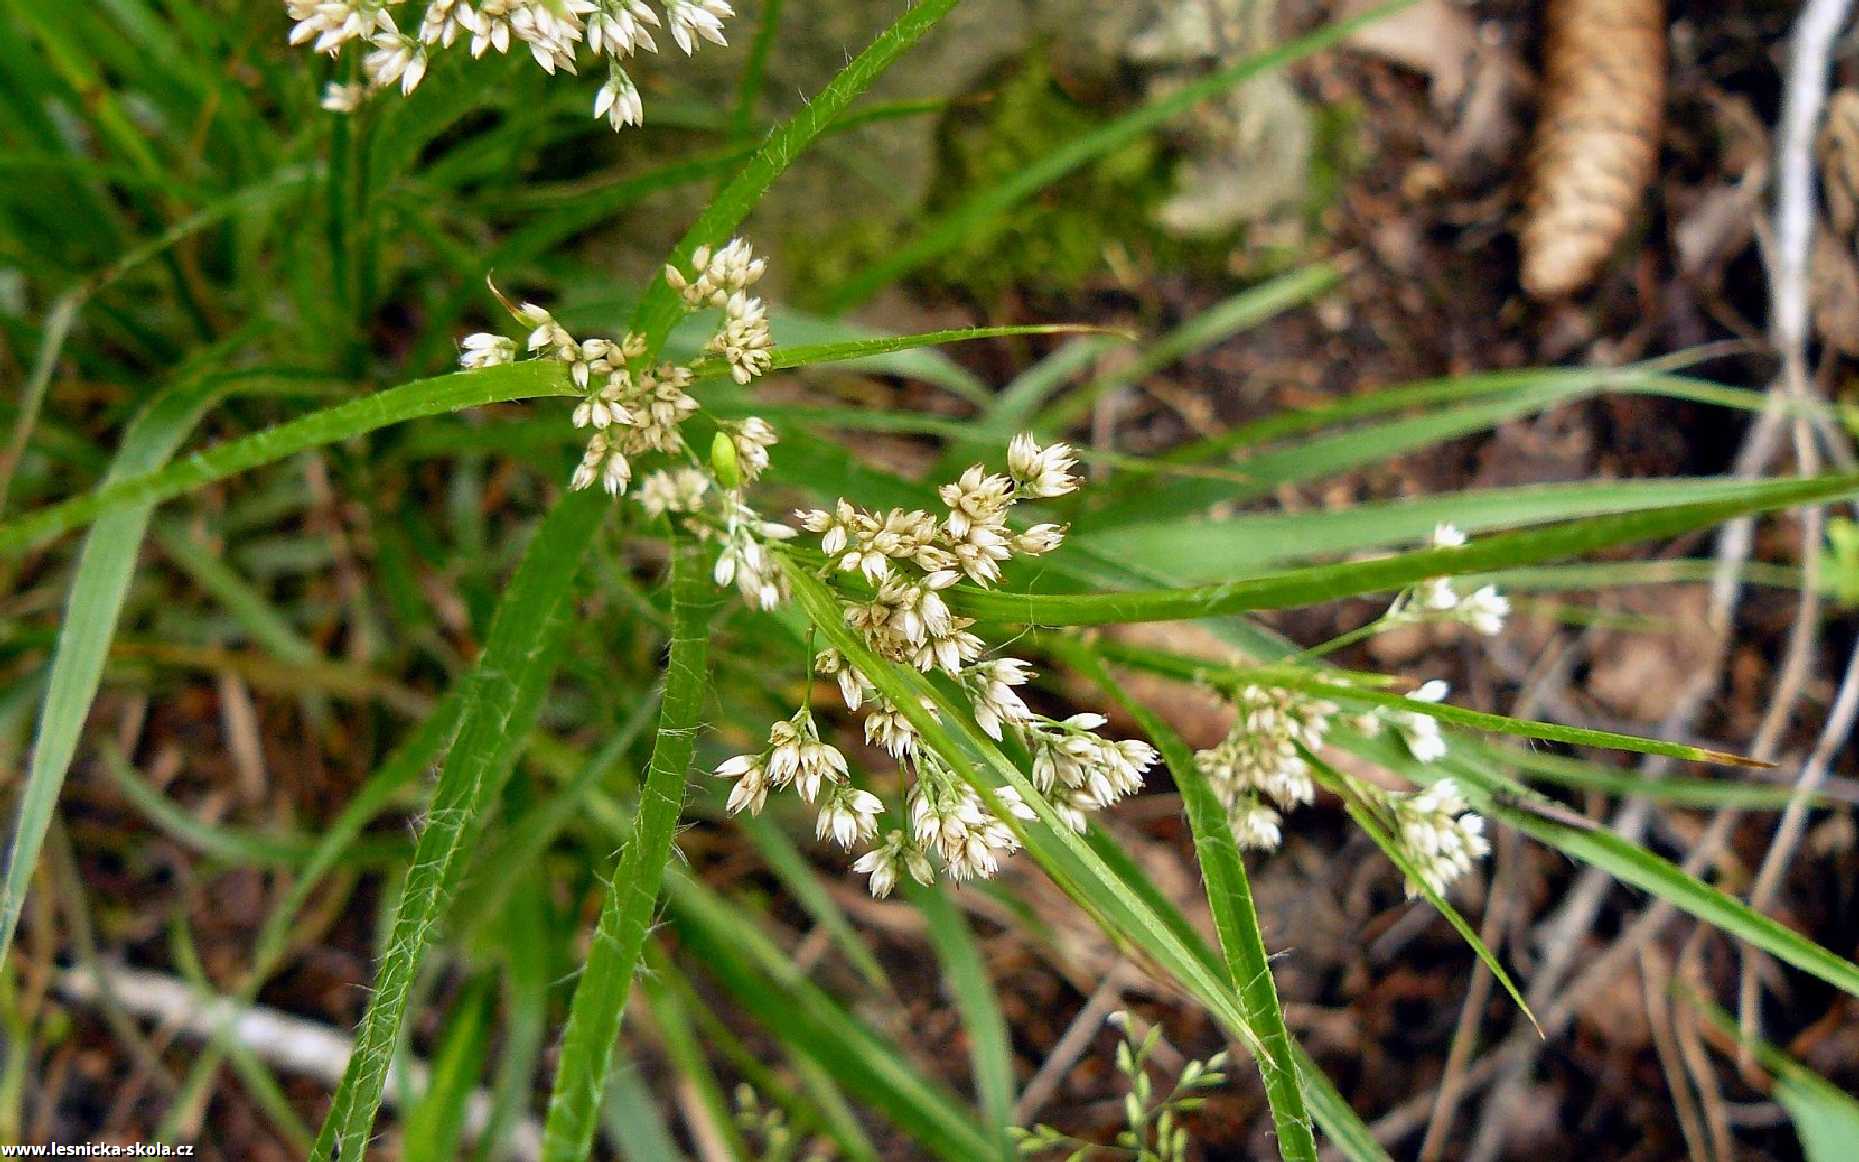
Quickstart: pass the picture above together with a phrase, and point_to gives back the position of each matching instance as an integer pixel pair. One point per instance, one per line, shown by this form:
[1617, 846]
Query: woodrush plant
[899, 563]
[907, 600]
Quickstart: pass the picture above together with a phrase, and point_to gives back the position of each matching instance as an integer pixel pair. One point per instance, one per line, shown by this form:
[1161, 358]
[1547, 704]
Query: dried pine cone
[1597, 139]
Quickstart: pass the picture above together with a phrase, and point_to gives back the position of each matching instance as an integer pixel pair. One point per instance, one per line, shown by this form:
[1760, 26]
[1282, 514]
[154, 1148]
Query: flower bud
[723, 462]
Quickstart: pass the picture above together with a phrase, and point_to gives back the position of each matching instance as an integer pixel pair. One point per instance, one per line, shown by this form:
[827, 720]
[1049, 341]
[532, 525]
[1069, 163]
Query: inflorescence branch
[890, 569]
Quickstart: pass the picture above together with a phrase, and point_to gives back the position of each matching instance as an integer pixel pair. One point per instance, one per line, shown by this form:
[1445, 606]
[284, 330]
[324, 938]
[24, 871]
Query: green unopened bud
[723, 464]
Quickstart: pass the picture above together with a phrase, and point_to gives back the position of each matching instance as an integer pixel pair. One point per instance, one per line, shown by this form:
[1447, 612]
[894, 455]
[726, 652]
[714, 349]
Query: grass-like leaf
[1217, 323]
[1331, 582]
[636, 1123]
[1348, 1133]
[1311, 682]
[1479, 774]
[731, 948]
[1640, 378]
[1641, 868]
[626, 914]
[1200, 549]
[425, 397]
[1236, 920]
[1371, 824]
[233, 846]
[338, 839]
[530, 379]
[104, 567]
[966, 977]
[505, 688]
[1540, 766]
[1327, 454]
[1070, 859]
[501, 698]
[1345, 1130]
[436, 1122]
[1826, 1118]
[802, 881]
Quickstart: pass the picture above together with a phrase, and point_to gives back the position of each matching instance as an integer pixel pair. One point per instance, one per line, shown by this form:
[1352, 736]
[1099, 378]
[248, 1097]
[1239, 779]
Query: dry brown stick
[1413, 1113]
[1804, 97]
[1797, 668]
[1639, 934]
[1562, 934]
[1790, 254]
[288, 1043]
[711, 1145]
[1655, 980]
[1789, 257]
[1793, 824]
[1697, 1065]
[1471, 1013]
[1070, 1047]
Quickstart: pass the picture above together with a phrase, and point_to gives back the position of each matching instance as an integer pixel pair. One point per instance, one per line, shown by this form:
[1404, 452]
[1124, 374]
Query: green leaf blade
[1229, 898]
[1320, 583]
[501, 699]
[586, 1059]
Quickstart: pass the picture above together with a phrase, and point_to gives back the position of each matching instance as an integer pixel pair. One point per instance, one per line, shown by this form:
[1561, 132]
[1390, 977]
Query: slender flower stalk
[890, 567]
[1153, 1127]
[901, 561]
[1439, 835]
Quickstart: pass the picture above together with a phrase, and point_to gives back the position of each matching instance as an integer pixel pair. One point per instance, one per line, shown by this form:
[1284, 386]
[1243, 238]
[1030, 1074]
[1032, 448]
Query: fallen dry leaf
[1432, 37]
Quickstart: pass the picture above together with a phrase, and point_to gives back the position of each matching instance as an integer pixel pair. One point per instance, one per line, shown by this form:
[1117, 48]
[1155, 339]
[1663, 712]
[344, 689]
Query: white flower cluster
[1435, 599]
[908, 558]
[632, 412]
[1439, 834]
[1259, 772]
[554, 31]
[1418, 730]
[722, 280]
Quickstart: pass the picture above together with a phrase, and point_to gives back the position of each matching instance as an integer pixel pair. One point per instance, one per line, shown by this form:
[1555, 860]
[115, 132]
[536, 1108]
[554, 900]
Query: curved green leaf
[1330, 582]
[456, 391]
[104, 567]
[504, 690]
[1229, 898]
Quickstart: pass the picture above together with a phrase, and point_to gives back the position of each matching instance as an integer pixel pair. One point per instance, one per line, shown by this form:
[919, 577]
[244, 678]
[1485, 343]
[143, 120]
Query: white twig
[1788, 256]
[289, 1043]
[1803, 100]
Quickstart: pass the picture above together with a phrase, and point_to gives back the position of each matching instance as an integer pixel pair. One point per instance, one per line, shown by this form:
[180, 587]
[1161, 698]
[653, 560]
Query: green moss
[1055, 242]
[1059, 239]
[1338, 155]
